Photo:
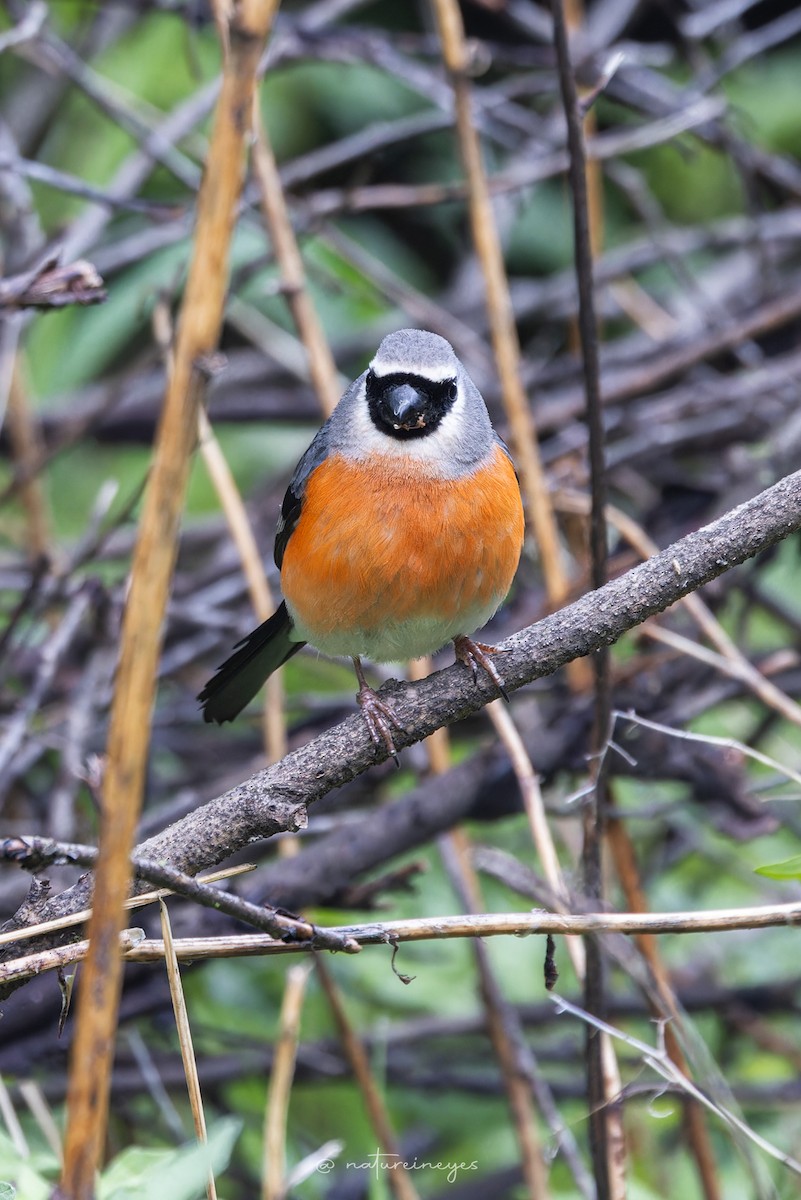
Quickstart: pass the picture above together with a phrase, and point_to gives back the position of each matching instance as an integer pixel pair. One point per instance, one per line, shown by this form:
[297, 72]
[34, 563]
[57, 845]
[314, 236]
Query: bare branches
[51, 285]
[259, 806]
[26, 28]
[400, 218]
[38, 853]
[606, 1134]
[499, 308]
[150, 580]
[425, 929]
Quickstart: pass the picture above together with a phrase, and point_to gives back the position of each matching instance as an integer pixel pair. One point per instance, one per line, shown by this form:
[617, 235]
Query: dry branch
[424, 929]
[400, 1180]
[50, 285]
[151, 573]
[259, 805]
[699, 379]
[607, 1141]
[723, 920]
[499, 307]
[274, 1183]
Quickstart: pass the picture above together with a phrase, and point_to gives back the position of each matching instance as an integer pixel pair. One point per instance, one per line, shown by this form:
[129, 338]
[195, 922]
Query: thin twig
[503, 1026]
[499, 308]
[607, 1140]
[274, 1174]
[537, 821]
[664, 1003]
[38, 853]
[52, 286]
[185, 1041]
[331, 202]
[661, 1063]
[730, 660]
[399, 1178]
[735, 667]
[423, 929]
[322, 367]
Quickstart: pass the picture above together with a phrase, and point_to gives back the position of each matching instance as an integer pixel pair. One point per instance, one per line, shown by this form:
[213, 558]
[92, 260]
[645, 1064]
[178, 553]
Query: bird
[401, 530]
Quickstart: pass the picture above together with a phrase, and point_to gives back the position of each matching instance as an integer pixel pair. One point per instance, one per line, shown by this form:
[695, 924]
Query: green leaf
[790, 868]
[25, 1178]
[140, 1174]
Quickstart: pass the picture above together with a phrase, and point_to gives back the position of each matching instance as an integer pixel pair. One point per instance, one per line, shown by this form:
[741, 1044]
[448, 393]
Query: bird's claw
[379, 719]
[477, 654]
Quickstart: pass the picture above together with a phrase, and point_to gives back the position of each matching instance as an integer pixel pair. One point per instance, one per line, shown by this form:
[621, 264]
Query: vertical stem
[154, 556]
[322, 368]
[273, 1185]
[503, 1025]
[499, 306]
[399, 1179]
[606, 1133]
[27, 452]
[501, 1021]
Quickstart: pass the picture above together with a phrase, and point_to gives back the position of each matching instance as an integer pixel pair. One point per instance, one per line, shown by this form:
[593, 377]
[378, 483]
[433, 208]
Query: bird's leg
[477, 654]
[378, 716]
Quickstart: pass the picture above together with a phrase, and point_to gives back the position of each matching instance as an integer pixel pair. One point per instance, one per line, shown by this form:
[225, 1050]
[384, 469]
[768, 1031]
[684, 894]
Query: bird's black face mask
[408, 406]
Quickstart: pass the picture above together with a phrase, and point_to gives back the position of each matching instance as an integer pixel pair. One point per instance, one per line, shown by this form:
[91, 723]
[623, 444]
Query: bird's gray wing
[329, 439]
[499, 440]
[293, 499]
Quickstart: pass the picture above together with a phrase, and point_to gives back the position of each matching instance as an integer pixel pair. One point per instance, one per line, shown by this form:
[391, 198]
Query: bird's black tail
[255, 657]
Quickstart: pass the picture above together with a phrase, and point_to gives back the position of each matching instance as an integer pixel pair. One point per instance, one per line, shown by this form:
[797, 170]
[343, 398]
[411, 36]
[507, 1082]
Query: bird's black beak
[405, 407]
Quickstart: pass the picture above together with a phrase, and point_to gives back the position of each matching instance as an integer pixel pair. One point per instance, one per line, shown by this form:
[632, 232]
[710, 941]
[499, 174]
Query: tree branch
[272, 799]
[52, 285]
[423, 929]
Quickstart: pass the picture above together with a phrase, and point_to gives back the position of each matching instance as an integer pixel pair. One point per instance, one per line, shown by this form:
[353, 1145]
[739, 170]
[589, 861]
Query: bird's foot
[477, 654]
[379, 719]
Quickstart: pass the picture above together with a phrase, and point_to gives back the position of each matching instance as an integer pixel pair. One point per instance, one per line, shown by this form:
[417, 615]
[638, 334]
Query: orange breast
[379, 543]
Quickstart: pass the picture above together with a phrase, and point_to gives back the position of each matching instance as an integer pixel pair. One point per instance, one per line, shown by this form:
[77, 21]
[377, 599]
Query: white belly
[397, 641]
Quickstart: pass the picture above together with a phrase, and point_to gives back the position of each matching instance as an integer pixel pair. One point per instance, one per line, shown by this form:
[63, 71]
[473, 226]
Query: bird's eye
[450, 389]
